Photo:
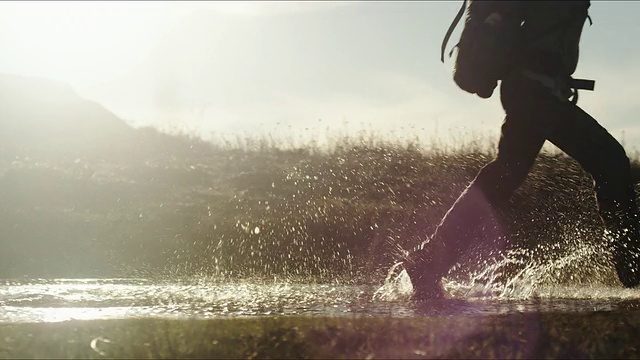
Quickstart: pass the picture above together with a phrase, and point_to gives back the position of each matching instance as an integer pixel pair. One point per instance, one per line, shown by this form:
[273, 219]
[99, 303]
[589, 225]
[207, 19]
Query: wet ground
[54, 300]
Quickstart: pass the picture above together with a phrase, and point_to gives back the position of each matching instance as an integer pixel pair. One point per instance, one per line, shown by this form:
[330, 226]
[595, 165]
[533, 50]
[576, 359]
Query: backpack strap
[452, 27]
[562, 88]
[580, 84]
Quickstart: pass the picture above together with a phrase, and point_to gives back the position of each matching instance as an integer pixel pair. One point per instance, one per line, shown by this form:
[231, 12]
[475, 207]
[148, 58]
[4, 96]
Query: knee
[623, 165]
[612, 179]
[500, 178]
[614, 167]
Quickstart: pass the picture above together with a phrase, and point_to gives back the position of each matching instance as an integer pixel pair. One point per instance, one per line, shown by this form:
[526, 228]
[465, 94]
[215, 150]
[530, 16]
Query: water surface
[57, 300]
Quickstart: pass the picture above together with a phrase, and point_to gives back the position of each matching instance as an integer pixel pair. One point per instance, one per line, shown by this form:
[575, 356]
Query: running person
[535, 95]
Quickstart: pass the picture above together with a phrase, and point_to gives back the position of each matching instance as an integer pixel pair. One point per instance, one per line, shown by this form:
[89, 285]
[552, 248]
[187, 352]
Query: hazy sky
[294, 68]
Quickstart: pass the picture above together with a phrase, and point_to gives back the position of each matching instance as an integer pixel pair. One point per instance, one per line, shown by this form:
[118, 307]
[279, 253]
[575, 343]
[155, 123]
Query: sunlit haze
[225, 179]
[296, 68]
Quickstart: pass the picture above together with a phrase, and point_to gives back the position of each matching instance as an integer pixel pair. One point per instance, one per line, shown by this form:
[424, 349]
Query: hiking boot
[625, 246]
[428, 291]
[427, 283]
[627, 263]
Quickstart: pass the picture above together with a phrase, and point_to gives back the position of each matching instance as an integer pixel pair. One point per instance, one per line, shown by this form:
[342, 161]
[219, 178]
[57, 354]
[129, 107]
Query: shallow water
[88, 299]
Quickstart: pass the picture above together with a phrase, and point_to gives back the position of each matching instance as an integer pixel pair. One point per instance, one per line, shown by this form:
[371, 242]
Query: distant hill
[42, 116]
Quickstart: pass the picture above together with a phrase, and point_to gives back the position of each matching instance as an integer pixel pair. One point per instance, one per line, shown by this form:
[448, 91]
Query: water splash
[90, 299]
[571, 269]
[539, 272]
[397, 285]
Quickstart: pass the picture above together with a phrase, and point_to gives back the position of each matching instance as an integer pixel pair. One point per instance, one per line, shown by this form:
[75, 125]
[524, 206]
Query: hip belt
[564, 88]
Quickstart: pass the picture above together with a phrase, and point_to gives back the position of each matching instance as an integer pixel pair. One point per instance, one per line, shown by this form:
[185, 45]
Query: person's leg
[580, 136]
[539, 116]
[471, 216]
[601, 155]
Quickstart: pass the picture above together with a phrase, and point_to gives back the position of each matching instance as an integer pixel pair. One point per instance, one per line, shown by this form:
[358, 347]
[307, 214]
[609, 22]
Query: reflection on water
[86, 299]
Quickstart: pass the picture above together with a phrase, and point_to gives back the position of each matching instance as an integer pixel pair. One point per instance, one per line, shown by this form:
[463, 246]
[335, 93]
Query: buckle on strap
[564, 89]
[582, 84]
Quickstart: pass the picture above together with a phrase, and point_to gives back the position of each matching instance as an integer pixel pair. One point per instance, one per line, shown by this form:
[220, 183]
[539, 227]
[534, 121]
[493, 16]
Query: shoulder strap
[451, 28]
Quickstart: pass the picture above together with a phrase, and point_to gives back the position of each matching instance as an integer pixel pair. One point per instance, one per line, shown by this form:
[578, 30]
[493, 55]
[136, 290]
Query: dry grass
[175, 205]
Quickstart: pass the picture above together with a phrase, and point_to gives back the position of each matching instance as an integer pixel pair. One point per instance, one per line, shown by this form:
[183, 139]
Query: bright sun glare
[80, 41]
[87, 43]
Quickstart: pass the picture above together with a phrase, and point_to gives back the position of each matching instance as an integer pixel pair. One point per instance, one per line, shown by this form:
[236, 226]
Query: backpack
[498, 37]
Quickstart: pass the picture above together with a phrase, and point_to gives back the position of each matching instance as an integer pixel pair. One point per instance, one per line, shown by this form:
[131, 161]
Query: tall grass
[175, 205]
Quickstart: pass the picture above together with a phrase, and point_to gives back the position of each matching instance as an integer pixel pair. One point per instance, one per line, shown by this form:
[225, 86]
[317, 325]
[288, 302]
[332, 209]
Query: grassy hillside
[175, 205]
[85, 195]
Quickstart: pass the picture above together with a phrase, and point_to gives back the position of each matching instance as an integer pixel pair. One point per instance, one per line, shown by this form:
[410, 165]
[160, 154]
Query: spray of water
[572, 269]
[397, 285]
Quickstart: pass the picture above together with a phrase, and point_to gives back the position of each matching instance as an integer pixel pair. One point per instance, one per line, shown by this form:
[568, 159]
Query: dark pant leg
[471, 217]
[580, 136]
[533, 115]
